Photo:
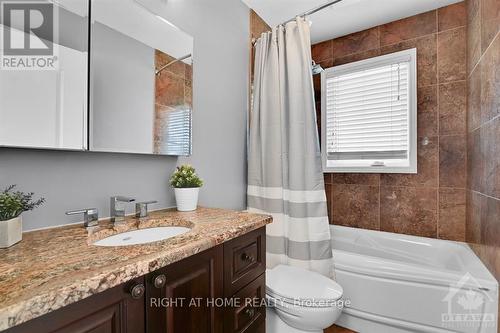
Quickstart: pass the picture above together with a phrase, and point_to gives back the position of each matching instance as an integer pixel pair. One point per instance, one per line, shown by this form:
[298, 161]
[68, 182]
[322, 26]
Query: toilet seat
[301, 301]
[300, 287]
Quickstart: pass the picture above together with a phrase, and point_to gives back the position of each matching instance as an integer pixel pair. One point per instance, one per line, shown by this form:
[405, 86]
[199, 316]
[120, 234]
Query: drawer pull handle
[160, 281]
[246, 257]
[137, 291]
[250, 312]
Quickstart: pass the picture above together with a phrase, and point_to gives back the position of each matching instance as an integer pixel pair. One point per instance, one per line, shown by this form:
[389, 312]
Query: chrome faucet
[117, 207]
[141, 208]
[90, 216]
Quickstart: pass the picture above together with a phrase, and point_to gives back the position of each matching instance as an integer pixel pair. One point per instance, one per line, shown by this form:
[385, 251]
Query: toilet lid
[292, 284]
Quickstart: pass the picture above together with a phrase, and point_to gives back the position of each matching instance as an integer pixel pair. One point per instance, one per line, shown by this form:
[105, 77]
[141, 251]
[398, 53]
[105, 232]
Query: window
[369, 115]
[174, 132]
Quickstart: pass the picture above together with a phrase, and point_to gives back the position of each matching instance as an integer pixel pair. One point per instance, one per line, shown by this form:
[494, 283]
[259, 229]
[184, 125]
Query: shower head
[316, 68]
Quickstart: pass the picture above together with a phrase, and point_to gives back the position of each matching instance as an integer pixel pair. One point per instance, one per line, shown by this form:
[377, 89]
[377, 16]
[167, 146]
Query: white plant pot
[11, 232]
[186, 198]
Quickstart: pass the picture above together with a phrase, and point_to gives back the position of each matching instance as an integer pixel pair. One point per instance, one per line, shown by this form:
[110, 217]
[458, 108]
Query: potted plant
[12, 205]
[186, 184]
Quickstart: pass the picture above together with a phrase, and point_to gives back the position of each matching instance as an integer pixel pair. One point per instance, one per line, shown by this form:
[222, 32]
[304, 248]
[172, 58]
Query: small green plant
[185, 177]
[14, 203]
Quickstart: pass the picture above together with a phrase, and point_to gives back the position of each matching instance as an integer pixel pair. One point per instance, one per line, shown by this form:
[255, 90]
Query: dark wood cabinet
[244, 260]
[245, 283]
[205, 293]
[249, 313]
[112, 311]
[180, 296]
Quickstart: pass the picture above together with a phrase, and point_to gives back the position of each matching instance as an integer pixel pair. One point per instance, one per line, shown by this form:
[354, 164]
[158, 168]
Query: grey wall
[72, 29]
[123, 92]
[220, 106]
[71, 180]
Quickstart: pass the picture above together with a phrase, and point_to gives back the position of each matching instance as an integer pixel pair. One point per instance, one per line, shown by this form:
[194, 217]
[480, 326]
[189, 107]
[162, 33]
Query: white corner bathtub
[397, 283]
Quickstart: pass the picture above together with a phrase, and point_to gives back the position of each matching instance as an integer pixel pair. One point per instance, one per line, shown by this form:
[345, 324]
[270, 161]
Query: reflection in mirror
[141, 81]
[43, 74]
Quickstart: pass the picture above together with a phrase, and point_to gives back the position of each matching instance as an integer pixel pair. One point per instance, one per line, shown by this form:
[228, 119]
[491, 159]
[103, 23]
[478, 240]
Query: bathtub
[397, 283]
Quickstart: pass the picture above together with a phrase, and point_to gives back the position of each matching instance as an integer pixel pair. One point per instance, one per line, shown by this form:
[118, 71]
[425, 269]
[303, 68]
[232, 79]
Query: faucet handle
[90, 216]
[141, 208]
[121, 198]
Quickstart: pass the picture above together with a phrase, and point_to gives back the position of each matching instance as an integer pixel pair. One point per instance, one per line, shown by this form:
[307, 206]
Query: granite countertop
[53, 268]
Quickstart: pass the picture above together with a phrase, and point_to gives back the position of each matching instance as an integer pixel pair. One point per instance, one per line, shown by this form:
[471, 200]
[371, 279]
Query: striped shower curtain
[285, 177]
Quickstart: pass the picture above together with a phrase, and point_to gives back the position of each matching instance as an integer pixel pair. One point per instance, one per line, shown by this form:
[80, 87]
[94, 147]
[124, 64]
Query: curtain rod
[157, 72]
[309, 12]
[312, 11]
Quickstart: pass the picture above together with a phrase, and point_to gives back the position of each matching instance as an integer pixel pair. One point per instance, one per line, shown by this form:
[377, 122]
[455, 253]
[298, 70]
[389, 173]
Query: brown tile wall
[257, 27]
[483, 124]
[431, 203]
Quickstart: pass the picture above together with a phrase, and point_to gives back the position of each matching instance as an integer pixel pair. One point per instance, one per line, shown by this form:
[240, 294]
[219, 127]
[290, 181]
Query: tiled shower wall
[483, 115]
[431, 203]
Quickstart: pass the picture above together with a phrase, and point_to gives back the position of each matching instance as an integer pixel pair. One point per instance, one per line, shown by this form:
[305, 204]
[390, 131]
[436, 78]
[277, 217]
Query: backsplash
[483, 114]
[432, 202]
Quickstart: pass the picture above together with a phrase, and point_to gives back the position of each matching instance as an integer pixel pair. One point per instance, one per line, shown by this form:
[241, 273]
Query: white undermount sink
[142, 236]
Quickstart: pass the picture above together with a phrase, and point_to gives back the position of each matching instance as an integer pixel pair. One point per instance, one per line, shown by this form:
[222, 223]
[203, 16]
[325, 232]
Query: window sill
[378, 169]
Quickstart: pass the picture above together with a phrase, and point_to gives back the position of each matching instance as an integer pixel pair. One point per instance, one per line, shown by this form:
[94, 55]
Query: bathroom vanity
[57, 280]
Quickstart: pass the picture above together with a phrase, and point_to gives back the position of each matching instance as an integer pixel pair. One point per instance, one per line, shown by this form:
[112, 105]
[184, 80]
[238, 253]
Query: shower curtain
[285, 177]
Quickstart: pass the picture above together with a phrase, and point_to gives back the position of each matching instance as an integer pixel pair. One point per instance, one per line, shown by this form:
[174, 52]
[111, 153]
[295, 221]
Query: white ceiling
[344, 17]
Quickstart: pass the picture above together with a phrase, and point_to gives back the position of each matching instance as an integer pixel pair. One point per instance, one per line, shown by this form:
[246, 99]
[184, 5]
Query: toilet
[300, 300]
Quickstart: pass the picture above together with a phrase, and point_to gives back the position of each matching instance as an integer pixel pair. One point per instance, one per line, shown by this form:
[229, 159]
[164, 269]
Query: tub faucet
[117, 207]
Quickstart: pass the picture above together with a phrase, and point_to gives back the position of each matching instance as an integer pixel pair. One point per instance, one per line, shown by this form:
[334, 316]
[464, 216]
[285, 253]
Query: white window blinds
[368, 111]
[178, 133]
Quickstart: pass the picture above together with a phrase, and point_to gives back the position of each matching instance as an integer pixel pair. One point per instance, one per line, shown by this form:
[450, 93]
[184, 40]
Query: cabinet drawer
[244, 260]
[248, 312]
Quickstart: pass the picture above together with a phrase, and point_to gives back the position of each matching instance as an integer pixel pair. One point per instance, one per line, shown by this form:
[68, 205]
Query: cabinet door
[112, 311]
[248, 313]
[179, 296]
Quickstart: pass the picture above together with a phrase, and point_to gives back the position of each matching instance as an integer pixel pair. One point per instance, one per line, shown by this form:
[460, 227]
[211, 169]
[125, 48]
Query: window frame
[405, 55]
